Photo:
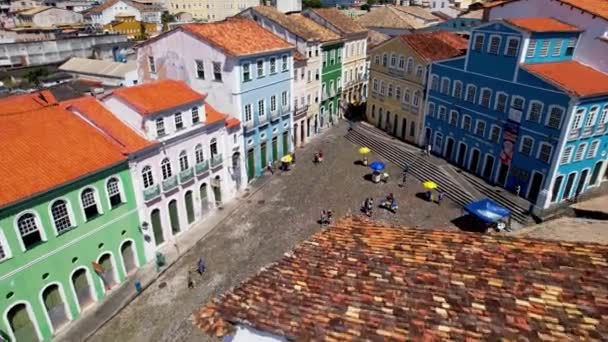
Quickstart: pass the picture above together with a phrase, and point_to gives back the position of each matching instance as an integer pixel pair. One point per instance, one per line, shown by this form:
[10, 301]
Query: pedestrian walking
[200, 266]
[269, 167]
[403, 177]
[190, 280]
[517, 190]
[428, 150]
[440, 197]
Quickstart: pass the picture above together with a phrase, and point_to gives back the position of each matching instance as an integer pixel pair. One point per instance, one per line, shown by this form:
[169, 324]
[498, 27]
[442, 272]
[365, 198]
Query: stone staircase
[423, 168]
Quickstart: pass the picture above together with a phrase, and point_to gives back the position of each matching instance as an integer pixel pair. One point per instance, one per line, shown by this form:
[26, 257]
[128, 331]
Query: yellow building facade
[128, 26]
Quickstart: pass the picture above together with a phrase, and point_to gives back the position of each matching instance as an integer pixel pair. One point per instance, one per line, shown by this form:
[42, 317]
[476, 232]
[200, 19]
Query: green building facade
[331, 85]
[64, 250]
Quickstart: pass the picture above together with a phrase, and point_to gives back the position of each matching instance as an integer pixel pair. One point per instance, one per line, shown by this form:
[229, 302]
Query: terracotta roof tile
[213, 115]
[48, 147]
[238, 36]
[98, 114]
[233, 122]
[109, 3]
[418, 12]
[375, 38]
[387, 17]
[341, 21]
[572, 76]
[26, 102]
[297, 24]
[364, 281]
[153, 97]
[542, 25]
[436, 45]
[595, 7]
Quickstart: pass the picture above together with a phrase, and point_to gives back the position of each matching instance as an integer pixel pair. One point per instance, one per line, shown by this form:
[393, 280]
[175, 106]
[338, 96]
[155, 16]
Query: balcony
[170, 183]
[588, 131]
[216, 160]
[151, 192]
[248, 124]
[324, 96]
[202, 167]
[274, 115]
[285, 110]
[186, 175]
[262, 119]
[574, 133]
[300, 112]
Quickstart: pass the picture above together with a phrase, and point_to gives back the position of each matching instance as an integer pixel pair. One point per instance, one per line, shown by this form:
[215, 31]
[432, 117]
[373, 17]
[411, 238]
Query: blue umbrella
[377, 166]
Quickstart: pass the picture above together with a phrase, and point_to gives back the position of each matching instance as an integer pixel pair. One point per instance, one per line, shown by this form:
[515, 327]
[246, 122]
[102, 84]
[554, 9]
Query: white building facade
[106, 12]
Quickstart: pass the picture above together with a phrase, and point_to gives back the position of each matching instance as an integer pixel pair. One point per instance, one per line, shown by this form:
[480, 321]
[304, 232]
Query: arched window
[183, 161]
[401, 62]
[416, 98]
[146, 175]
[165, 167]
[113, 188]
[61, 216]
[213, 147]
[89, 203]
[419, 71]
[435, 83]
[406, 96]
[29, 230]
[198, 154]
[591, 116]
[410, 65]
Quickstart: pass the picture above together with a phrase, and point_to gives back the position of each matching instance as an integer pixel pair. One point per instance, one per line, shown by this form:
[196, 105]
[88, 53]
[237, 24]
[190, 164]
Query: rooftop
[138, 5]
[47, 147]
[361, 280]
[388, 17]
[595, 7]
[375, 38]
[341, 21]
[418, 12]
[436, 45]
[26, 102]
[100, 67]
[571, 76]
[146, 100]
[238, 36]
[34, 10]
[298, 24]
[542, 24]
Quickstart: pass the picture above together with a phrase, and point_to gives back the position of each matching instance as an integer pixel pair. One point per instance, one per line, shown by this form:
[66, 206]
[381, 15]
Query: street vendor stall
[491, 213]
[377, 174]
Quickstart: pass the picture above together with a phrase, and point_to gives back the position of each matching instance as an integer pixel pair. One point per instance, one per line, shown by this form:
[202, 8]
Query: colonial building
[397, 20]
[69, 225]
[109, 10]
[211, 10]
[398, 76]
[45, 16]
[309, 39]
[515, 111]
[245, 71]
[127, 24]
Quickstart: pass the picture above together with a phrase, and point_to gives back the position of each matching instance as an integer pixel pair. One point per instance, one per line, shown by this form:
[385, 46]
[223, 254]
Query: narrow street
[266, 225]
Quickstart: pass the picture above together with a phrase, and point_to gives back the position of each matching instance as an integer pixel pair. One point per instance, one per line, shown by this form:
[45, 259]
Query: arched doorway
[595, 174]
[535, 186]
[204, 199]
[157, 227]
[21, 324]
[569, 185]
[474, 162]
[82, 288]
[55, 306]
[174, 217]
[582, 180]
[556, 188]
[236, 169]
[189, 206]
[449, 148]
[217, 190]
[107, 274]
[128, 257]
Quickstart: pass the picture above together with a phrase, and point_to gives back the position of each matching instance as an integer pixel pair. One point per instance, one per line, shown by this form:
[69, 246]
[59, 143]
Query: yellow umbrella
[429, 185]
[364, 150]
[287, 159]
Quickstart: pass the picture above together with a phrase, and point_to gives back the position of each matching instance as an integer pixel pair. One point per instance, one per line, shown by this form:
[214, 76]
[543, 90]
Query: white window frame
[246, 71]
[248, 106]
[540, 148]
[436, 78]
[194, 114]
[416, 99]
[483, 41]
[401, 65]
[121, 192]
[509, 40]
[428, 109]
[591, 118]
[284, 63]
[97, 201]
[170, 169]
[489, 105]
[199, 154]
[398, 92]
[453, 114]
[38, 224]
[505, 104]
[196, 67]
[523, 102]
[419, 71]
[257, 68]
[593, 148]
[445, 80]
[261, 108]
[567, 155]
[5, 247]
[471, 86]
[556, 51]
[454, 89]
[531, 50]
[583, 147]
[540, 112]
[561, 119]
[499, 129]
[604, 116]
[393, 60]
[273, 103]
[577, 120]
[492, 38]
[521, 145]
[407, 95]
[182, 160]
[442, 113]
[70, 214]
[151, 65]
[272, 62]
[409, 66]
[464, 117]
[544, 48]
[144, 174]
[160, 126]
[178, 120]
[477, 122]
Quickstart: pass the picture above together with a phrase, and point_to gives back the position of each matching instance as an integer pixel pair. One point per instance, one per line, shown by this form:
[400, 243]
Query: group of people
[326, 217]
[318, 158]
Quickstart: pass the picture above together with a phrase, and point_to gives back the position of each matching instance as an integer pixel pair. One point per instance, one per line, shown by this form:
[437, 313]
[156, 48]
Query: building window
[375, 85]
[410, 65]
[591, 116]
[501, 102]
[213, 147]
[406, 96]
[494, 46]
[592, 152]
[113, 189]
[495, 134]
[604, 116]
[431, 109]
[419, 72]
[217, 71]
[273, 65]
[89, 204]
[544, 48]
[146, 176]
[160, 127]
[200, 69]
[179, 124]
[580, 152]
[577, 122]
[398, 92]
[566, 156]
[555, 117]
[453, 118]
[61, 216]
[435, 83]
[195, 118]
[248, 116]
[390, 90]
[442, 113]
[526, 145]
[199, 155]
[29, 230]
[416, 98]
[557, 48]
[512, 47]
[384, 60]
[480, 128]
[486, 97]
[393, 60]
[517, 103]
[570, 46]
[401, 62]
[466, 123]
[165, 167]
[183, 161]
[535, 111]
[478, 42]
[246, 72]
[457, 93]
[261, 108]
[377, 59]
[471, 90]
[445, 86]
[531, 48]
[284, 63]
[260, 66]
[284, 99]
[3, 248]
[382, 87]
[151, 65]
[544, 153]
[273, 103]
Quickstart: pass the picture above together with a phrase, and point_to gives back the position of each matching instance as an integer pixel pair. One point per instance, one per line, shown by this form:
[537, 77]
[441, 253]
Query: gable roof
[542, 24]
[363, 280]
[387, 17]
[47, 147]
[375, 38]
[436, 45]
[104, 67]
[26, 102]
[297, 24]
[139, 6]
[571, 76]
[418, 12]
[33, 10]
[157, 96]
[595, 7]
[342, 22]
[238, 36]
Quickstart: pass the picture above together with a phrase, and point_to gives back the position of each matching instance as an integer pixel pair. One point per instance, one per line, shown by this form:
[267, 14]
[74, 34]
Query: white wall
[108, 14]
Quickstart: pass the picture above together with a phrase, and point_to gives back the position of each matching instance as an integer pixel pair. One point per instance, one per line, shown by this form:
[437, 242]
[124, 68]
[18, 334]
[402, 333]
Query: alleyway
[266, 225]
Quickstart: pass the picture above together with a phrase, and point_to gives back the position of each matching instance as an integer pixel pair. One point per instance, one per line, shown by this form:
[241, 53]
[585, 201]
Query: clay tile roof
[213, 115]
[341, 21]
[233, 122]
[436, 45]
[387, 17]
[363, 281]
[26, 102]
[375, 38]
[417, 12]
[496, 3]
[309, 29]
[595, 7]
[150, 98]
[238, 36]
[542, 24]
[139, 6]
[100, 116]
[572, 76]
[48, 147]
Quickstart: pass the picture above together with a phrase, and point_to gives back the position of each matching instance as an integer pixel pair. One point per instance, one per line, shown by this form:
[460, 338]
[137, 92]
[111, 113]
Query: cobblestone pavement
[268, 224]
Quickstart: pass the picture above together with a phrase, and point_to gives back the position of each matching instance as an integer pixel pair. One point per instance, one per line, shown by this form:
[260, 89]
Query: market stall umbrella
[429, 185]
[364, 150]
[287, 159]
[377, 166]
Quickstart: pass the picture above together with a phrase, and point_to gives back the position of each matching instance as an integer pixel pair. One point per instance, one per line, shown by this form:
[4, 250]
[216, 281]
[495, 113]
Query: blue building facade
[504, 113]
[265, 91]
